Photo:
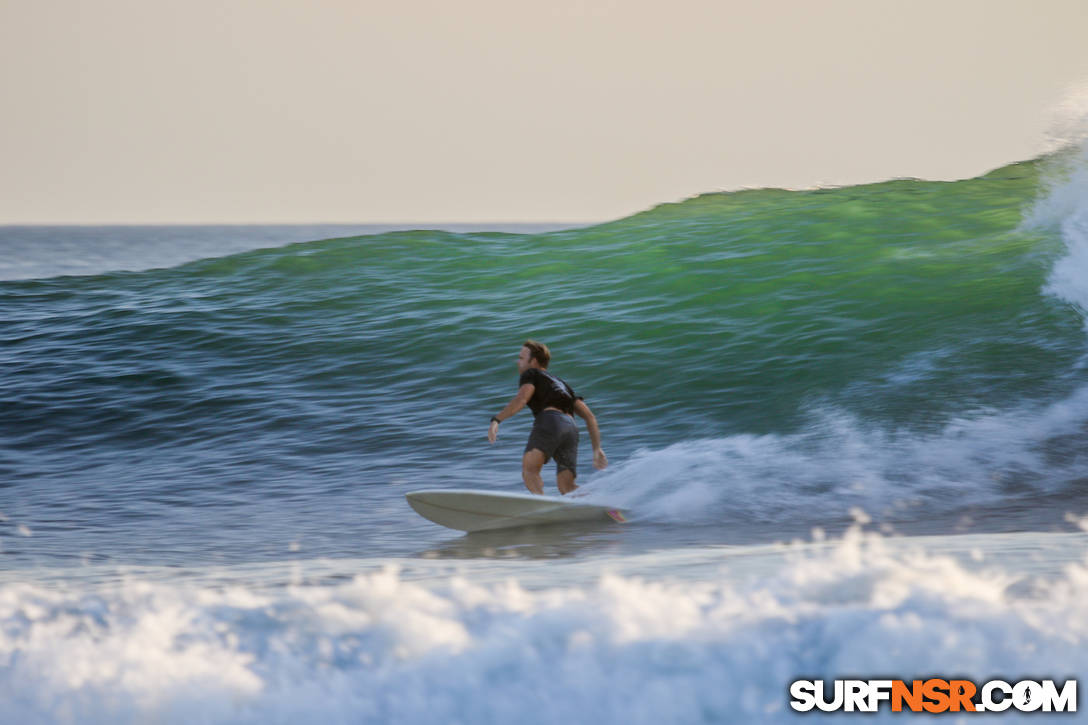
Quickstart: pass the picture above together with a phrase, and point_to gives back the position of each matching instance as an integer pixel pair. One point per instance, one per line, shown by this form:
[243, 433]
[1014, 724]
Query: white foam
[839, 463]
[379, 648]
[1063, 205]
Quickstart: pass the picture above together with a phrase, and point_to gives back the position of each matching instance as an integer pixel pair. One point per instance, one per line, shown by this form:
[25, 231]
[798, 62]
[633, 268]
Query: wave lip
[1064, 206]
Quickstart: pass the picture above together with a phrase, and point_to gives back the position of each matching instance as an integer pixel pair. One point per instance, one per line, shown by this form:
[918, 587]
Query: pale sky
[277, 111]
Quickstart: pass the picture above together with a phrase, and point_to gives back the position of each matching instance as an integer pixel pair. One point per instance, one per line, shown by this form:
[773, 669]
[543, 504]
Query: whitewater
[850, 426]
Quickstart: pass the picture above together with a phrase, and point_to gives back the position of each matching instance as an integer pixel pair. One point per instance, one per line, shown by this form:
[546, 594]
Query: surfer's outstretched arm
[600, 460]
[519, 401]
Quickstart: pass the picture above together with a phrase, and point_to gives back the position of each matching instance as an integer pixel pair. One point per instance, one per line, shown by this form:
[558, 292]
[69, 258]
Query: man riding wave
[555, 434]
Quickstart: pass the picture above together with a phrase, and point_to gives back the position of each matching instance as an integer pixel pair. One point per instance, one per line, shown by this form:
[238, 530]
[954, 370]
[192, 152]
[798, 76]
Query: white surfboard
[474, 510]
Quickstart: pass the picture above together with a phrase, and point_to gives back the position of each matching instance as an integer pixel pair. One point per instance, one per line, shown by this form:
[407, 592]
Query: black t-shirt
[549, 392]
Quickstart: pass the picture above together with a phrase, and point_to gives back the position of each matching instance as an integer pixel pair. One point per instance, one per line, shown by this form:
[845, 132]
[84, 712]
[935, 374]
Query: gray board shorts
[556, 436]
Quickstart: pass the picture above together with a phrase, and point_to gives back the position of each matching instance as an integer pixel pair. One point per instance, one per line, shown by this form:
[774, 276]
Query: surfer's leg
[565, 481]
[531, 463]
[566, 455]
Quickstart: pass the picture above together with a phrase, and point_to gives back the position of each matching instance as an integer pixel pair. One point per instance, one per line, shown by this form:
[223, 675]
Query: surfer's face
[523, 359]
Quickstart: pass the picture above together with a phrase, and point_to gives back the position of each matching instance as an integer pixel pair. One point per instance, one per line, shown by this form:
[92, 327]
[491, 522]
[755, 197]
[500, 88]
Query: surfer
[554, 433]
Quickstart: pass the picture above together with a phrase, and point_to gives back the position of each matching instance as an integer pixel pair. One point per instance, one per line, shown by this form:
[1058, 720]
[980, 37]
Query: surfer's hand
[600, 460]
[492, 432]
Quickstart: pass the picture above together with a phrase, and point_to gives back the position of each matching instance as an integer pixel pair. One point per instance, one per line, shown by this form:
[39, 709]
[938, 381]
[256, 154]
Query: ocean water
[850, 426]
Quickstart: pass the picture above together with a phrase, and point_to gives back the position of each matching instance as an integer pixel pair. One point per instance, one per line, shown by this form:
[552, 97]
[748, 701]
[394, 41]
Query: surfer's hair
[539, 351]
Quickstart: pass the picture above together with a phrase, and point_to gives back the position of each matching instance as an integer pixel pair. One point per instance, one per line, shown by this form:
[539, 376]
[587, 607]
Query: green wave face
[907, 301]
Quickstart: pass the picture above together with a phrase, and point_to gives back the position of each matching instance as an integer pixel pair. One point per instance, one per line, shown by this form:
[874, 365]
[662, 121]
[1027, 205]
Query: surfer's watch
[495, 419]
